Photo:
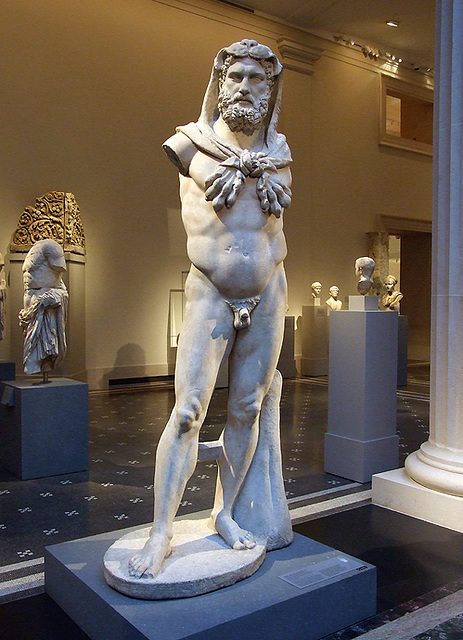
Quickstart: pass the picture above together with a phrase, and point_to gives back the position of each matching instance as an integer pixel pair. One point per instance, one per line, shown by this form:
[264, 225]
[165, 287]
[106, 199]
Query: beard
[239, 118]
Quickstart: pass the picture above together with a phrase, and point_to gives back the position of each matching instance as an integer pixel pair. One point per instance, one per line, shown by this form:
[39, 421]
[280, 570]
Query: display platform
[402, 353]
[314, 360]
[7, 370]
[286, 363]
[361, 439]
[303, 592]
[44, 427]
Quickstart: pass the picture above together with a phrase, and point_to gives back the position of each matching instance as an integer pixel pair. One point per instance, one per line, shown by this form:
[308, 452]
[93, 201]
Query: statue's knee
[188, 416]
[247, 411]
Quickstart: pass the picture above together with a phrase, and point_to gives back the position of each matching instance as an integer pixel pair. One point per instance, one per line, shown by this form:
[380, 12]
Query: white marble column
[431, 485]
[438, 464]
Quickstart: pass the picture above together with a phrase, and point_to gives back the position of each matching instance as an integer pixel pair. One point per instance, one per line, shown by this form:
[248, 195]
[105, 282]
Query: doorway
[404, 247]
[415, 284]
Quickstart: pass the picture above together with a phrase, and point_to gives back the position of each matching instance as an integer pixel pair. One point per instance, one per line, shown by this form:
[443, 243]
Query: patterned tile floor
[117, 491]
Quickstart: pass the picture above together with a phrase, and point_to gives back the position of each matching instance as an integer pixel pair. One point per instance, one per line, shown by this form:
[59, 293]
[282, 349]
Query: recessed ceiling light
[392, 23]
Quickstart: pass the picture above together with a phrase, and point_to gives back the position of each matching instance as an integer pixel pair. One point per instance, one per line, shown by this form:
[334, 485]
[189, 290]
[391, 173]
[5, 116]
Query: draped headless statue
[43, 317]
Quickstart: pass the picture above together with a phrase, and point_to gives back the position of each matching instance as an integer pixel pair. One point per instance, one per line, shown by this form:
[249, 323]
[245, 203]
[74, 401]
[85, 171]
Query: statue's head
[316, 289]
[390, 282]
[241, 89]
[247, 73]
[334, 292]
[44, 265]
[364, 267]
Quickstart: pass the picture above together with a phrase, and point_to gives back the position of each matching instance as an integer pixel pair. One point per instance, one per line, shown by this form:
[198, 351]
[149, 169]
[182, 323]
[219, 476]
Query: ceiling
[362, 20]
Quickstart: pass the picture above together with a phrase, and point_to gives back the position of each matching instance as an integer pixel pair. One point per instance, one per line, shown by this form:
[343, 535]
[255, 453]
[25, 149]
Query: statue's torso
[236, 248]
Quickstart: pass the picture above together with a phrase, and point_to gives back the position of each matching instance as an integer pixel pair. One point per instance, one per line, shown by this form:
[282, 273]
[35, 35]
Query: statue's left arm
[180, 150]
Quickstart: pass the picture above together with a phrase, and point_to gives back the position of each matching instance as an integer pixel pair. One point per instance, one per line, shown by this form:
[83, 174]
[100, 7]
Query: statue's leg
[252, 366]
[207, 334]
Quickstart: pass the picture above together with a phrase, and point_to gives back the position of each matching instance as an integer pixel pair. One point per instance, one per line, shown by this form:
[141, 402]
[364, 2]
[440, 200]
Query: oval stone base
[200, 562]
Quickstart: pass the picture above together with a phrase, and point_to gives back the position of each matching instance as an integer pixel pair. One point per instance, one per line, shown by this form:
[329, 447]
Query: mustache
[240, 97]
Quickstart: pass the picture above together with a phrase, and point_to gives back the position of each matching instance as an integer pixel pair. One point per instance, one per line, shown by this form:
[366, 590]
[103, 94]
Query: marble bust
[43, 317]
[333, 301]
[364, 268]
[392, 298]
[316, 289]
[235, 186]
[2, 296]
[316, 293]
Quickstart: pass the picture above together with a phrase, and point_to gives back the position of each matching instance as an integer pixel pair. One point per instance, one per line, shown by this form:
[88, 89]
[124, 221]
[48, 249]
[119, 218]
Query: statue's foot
[232, 534]
[149, 560]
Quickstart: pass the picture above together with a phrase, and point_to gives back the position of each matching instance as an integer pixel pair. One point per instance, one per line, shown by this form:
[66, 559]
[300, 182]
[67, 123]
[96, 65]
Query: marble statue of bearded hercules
[234, 187]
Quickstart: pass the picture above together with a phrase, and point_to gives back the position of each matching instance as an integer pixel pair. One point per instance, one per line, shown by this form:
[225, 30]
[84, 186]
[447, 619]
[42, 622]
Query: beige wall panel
[92, 89]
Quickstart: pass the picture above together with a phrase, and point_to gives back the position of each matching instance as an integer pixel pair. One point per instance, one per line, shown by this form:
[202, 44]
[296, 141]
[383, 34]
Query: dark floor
[417, 562]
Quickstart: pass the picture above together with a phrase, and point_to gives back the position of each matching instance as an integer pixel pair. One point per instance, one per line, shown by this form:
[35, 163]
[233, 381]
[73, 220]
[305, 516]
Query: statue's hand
[223, 187]
[273, 196]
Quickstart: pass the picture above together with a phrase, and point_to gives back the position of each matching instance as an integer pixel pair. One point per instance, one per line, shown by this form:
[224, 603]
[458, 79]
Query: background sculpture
[43, 317]
[392, 298]
[333, 301]
[2, 296]
[364, 268]
[234, 167]
[56, 215]
[316, 289]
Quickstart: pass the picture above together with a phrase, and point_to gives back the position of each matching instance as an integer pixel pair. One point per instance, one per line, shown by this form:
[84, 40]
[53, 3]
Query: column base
[395, 490]
[437, 468]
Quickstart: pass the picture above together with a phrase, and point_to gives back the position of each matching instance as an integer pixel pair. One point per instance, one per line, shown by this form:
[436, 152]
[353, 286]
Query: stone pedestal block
[363, 303]
[361, 438]
[402, 354]
[395, 490]
[314, 361]
[303, 592]
[286, 364]
[7, 370]
[44, 427]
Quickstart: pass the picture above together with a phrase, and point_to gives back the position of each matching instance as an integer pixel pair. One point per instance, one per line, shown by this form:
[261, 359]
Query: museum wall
[91, 91]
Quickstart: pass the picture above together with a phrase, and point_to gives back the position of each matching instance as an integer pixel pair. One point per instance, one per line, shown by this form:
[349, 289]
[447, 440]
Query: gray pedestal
[314, 361]
[402, 354]
[302, 592]
[7, 370]
[361, 438]
[44, 427]
[286, 364]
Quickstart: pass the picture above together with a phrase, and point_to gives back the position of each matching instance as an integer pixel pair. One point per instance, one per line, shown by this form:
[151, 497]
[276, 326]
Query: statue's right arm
[180, 150]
